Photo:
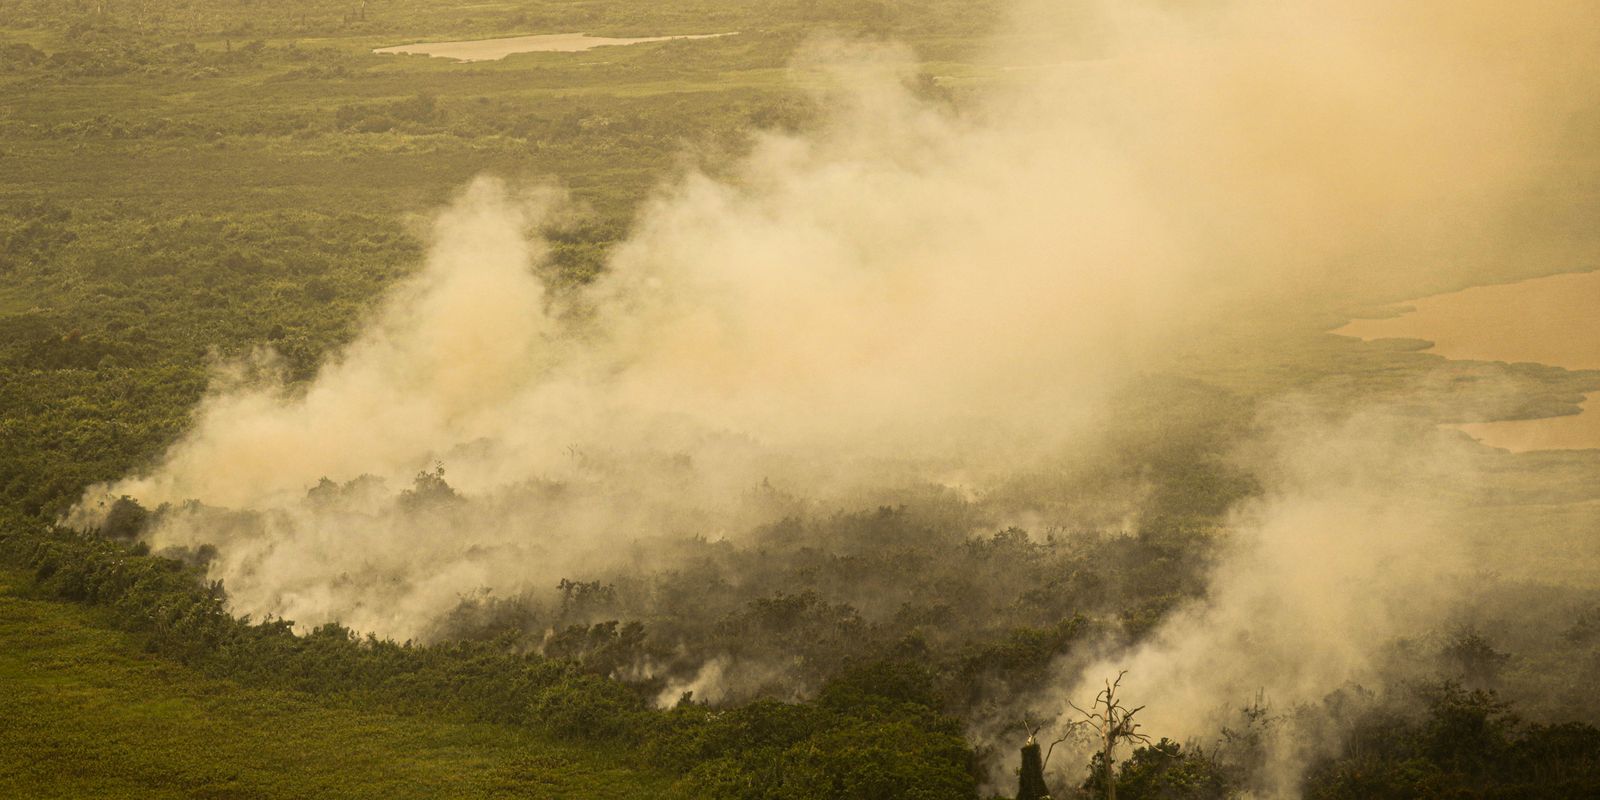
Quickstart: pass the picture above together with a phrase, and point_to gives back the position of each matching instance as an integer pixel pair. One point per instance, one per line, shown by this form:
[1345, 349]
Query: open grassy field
[86, 712]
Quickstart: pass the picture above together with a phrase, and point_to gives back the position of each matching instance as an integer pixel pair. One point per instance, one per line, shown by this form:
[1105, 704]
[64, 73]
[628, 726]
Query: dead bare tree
[1112, 724]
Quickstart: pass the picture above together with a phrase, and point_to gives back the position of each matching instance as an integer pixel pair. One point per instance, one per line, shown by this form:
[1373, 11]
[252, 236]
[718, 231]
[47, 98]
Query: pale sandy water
[1553, 320]
[495, 49]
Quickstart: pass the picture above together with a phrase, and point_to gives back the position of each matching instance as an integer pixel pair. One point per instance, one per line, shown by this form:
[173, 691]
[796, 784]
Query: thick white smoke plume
[1355, 543]
[912, 293]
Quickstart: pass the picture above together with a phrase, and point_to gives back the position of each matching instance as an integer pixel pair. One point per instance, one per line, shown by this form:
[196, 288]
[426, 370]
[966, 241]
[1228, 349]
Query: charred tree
[1030, 781]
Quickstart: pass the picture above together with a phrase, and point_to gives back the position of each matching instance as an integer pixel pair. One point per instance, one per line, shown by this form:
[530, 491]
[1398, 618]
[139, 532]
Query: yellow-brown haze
[916, 293]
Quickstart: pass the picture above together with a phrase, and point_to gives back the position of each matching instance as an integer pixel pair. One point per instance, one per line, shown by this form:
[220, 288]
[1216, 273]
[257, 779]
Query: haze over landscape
[827, 409]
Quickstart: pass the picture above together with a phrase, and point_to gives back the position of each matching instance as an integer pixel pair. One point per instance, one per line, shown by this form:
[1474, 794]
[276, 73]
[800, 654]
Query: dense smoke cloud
[912, 293]
[1355, 543]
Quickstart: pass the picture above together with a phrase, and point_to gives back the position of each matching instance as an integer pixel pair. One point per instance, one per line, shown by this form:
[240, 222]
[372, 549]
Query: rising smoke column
[907, 293]
[1355, 542]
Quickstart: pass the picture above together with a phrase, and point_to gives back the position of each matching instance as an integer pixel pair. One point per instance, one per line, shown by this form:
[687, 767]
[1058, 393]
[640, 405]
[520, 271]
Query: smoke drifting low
[918, 293]
[1354, 545]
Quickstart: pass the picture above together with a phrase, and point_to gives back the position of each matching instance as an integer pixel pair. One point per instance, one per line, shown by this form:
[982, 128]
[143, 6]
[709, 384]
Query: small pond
[495, 49]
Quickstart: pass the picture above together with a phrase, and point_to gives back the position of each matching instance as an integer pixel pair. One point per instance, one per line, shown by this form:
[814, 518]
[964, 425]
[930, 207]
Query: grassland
[87, 713]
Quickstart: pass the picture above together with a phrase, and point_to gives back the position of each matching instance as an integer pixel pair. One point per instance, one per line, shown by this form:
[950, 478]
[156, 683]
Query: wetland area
[1554, 320]
[837, 409]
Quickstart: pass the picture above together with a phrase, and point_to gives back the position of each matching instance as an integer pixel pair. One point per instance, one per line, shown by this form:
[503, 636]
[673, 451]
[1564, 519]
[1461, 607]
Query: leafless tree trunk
[1112, 724]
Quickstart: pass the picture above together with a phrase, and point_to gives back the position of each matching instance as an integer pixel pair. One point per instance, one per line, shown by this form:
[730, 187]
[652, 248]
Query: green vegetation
[186, 179]
[87, 712]
[191, 180]
[1464, 743]
[873, 732]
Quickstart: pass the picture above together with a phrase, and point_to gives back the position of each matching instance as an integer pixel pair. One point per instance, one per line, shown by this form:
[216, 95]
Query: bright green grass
[83, 713]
